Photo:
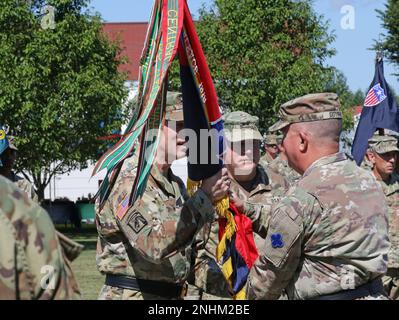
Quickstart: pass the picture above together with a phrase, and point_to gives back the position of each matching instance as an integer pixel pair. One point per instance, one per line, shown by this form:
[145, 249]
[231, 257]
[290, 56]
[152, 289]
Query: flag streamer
[171, 31]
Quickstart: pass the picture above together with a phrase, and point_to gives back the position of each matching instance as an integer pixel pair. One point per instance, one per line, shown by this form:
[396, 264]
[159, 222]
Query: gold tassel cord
[192, 186]
[241, 295]
[222, 209]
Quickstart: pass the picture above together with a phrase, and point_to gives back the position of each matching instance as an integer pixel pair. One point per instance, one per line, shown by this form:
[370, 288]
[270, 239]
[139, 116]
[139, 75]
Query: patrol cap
[239, 126]
[174, 106]
[312, 107]
[273, 139]
[383, 144]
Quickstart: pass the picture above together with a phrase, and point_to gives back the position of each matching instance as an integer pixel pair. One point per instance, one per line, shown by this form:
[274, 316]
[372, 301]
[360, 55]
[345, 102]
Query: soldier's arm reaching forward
[280, 256]
[159, 227]
[259, 213]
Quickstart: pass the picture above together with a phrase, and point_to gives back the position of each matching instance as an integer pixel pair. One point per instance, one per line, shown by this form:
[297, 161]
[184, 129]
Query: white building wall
[78, 184]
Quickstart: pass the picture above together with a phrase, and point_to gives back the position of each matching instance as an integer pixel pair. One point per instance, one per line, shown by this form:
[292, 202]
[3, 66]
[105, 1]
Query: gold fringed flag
[236, 250]
[171, 31]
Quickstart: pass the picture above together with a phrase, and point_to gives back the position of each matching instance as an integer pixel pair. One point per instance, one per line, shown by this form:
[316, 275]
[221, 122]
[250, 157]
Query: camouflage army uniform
[30, 251]
[25, 185]
[151, 241]
[281, 167]
[70, 249]
[207, 273]
[264, 188]
[278, 165]
[330, 233]
[206, 281]
[270, 139]
[395, 176]
[391, 280]
[20, 182]
[324, 232]
[156, 236]
[381, 145]
[266, 159]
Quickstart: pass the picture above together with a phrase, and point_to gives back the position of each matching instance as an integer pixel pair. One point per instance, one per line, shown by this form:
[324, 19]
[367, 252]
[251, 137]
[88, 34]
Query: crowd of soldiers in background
[324, 228]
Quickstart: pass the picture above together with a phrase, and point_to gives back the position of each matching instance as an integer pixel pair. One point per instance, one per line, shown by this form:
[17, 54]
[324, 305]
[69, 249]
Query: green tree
[390, 21]
[349, 99]
[263, 53]
[59, 85]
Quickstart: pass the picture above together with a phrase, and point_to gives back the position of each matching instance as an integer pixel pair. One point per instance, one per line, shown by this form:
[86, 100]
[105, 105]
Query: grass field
[89, 279]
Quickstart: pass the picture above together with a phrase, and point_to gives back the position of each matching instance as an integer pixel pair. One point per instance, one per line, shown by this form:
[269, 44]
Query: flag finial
[379, 56]
[379, 49]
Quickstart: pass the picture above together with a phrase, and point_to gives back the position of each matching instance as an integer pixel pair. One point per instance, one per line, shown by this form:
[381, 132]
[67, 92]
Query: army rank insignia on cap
[277, 240]
[2, 134]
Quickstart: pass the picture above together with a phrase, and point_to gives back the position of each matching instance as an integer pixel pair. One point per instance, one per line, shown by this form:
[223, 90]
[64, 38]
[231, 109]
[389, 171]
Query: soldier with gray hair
[327, 239]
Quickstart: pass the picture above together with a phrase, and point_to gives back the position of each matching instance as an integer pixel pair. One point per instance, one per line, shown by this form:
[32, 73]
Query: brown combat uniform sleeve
[160, 229]
[279, 257]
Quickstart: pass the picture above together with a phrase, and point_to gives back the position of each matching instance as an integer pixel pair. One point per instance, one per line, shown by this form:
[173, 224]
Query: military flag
[236, 250]
[380, 111]
[171, 31]
[159, 51]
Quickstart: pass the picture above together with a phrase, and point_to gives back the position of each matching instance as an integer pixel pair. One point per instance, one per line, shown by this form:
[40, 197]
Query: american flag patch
[122, 208]
[375, 96]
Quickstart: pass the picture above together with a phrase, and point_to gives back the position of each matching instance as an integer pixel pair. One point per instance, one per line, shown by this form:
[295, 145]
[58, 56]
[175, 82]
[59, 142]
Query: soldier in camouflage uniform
[271, 148]
[250, 182]
[31, 259]
[280, 165]
[382, 155]
[327, 239]
[145, 251]
[71, 249]
[9, 156]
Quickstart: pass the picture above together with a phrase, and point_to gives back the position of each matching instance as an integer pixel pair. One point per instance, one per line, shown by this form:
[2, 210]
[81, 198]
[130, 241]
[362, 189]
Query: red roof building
[131, 36]
[357, 110]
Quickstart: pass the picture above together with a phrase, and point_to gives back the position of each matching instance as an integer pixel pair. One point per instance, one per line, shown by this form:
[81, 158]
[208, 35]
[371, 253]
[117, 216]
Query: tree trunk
[40, 184]
[40, 192]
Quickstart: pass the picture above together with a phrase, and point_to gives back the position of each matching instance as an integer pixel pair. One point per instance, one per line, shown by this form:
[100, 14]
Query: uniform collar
[336, 157]
[259, 183]
[391, 187]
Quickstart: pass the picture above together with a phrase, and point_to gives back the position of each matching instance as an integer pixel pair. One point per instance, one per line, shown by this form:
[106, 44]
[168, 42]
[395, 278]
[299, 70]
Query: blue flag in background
[380, 111]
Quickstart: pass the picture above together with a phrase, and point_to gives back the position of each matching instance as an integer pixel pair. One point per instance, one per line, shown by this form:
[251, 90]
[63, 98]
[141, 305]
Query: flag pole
[378, 58]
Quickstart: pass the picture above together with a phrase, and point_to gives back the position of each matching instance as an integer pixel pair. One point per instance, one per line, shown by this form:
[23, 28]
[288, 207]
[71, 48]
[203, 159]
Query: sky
[354, 22]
